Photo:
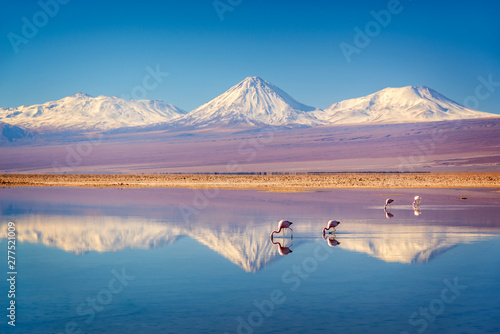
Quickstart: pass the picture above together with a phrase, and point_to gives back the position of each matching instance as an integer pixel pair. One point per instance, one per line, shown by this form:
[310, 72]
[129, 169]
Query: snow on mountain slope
[399, 105]
[253, 101]
[83, 112]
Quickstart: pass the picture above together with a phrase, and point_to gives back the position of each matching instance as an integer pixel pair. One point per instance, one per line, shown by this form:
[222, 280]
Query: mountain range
[251, 103]
[81, 112]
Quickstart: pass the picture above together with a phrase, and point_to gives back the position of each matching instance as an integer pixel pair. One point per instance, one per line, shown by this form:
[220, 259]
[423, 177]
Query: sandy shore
[286, 183]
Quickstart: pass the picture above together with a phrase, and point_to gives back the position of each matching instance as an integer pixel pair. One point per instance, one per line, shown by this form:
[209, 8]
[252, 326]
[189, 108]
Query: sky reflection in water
[203, 262]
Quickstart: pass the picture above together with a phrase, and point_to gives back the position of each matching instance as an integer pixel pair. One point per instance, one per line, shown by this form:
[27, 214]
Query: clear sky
[106, 47]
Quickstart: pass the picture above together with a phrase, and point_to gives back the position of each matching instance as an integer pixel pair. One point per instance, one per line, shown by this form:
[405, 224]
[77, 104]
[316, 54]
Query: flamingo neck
[325, 229]
[276, 231]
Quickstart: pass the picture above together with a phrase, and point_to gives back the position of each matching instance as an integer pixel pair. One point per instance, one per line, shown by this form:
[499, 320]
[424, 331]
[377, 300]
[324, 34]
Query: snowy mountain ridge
[251, 103]
[399, 105]
[86, 113]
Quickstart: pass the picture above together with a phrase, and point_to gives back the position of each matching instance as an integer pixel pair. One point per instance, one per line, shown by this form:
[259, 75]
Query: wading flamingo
[331, 224]
[388, 203]
[282, 225]
[417, 200]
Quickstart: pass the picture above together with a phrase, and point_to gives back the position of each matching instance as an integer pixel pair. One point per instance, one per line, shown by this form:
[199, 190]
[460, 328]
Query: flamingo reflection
[388, 214]
[332, 242]
[416, 205]
[417, 211]
[282, 250]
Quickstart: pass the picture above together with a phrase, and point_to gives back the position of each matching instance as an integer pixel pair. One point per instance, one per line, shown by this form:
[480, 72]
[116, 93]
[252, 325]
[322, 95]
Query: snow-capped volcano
[85, 113]
[253, 101]
[399, 105]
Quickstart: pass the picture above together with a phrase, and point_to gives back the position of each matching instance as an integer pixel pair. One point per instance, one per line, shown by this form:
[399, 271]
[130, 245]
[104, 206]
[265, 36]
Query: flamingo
[388, 215]
[331, 224]
[282, 250]
[388, 203]
[282, 225]
[417, 200]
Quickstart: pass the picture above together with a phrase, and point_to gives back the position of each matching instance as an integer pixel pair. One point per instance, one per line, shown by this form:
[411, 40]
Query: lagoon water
[201, 261]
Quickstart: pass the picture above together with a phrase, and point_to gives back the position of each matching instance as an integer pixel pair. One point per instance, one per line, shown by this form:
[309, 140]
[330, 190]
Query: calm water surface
[195, 261]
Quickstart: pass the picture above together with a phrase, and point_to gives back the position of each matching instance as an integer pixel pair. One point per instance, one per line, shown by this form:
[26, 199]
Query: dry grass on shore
[286, 183]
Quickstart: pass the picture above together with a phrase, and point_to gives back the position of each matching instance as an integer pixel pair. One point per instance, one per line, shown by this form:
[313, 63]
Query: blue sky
[106, 48]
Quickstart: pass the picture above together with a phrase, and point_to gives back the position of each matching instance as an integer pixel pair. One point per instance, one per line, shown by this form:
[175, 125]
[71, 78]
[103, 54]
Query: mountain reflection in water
[246, 244]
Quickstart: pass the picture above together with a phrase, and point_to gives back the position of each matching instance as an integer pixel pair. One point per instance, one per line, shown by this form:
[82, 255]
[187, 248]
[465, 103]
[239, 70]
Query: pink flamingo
[417, 200]
[282, 225]
[282, 250]
[388, 203]
[331, 224]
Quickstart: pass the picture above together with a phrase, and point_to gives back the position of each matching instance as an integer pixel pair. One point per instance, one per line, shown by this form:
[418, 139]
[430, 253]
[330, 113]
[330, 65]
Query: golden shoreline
[279, 183]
